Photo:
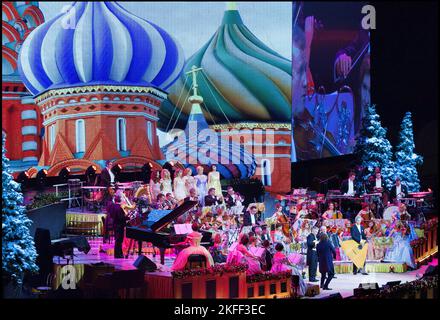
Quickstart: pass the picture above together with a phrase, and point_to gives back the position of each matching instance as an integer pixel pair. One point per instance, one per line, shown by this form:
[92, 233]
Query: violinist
[211, 199]
[250, 217]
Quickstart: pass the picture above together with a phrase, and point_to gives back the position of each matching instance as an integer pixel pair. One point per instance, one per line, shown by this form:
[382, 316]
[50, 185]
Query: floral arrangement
[268, 276]
[406, 290]
[217, 269]
[43, 199]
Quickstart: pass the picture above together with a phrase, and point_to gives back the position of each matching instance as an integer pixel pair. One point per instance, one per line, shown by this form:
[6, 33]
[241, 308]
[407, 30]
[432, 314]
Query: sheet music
[184, 228]
[256, 251]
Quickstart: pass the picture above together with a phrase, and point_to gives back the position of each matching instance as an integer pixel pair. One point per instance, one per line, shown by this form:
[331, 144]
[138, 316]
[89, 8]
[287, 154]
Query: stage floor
[343, 284]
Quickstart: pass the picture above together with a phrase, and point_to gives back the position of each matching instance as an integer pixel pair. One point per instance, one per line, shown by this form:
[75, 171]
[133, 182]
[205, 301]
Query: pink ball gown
[280, 263]
[194, 248]
[241, 255]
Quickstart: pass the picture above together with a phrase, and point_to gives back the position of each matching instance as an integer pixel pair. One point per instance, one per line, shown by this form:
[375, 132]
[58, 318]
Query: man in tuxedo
[348, 187]
[231, 197]
[107, 178]
[312, 255]
[358, 235]
[265, 234]
[119, 219]
[326, 252]
[377, 184]
[211, 199]
[398, 190]
[250, 217]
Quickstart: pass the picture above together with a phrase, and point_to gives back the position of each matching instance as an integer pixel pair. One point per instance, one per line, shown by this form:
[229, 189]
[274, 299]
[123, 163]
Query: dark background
[404, 77]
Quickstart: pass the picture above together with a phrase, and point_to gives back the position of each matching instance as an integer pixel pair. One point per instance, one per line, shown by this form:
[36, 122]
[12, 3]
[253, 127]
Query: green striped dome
[243, 80]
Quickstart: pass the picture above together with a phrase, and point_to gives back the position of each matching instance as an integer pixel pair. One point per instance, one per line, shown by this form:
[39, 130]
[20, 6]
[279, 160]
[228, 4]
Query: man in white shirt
[348, 187]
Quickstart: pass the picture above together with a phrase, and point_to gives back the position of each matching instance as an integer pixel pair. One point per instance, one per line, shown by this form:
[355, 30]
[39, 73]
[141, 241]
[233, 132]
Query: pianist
[193, 239]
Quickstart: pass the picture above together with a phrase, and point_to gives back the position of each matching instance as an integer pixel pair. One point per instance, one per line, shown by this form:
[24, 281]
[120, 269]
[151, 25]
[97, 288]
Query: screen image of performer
[119, 219]
[193, 239]
[358, 234]
[398, 191]
[212, 199]
[201, 184]
[326, 252]
[312, 256]
[214, 181]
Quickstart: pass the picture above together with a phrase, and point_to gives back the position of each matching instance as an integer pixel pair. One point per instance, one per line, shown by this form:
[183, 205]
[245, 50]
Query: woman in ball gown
[281, 263]
[155, 184]
[165, 182]
[190, 181]
[179, 186]
[241, 254]
[202, 184]
[331, 213]
[303, 212]
[401, 251]
[194, 239]
[370, 233]
[214, 181]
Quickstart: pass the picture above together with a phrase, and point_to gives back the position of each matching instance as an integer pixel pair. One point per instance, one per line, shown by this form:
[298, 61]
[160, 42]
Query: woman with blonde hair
[201, 184]
[190, 181]
[165, 182]
[179, 186]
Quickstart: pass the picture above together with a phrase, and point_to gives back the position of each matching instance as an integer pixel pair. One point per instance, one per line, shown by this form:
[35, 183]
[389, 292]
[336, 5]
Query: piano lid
[180, 210]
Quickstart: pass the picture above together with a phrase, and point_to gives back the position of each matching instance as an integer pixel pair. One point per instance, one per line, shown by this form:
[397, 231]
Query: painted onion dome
[202, 146]
[243, 80]
[19, 18]
[99, 43]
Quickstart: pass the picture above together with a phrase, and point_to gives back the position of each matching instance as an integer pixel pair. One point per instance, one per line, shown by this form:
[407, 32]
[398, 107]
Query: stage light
[91, 174]
[146, 172]
[23, 178]
[64, 174]
[41, 179]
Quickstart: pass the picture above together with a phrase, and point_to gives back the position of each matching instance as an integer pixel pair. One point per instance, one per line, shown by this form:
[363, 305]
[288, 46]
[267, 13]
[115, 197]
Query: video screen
[330, 78]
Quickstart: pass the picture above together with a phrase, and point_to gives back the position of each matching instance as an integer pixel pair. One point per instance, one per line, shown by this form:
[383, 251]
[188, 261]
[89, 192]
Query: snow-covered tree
[405, 158]
[18, 248]
[373, 148]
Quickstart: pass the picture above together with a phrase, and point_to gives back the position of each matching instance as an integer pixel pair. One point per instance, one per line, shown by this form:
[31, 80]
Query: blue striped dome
[107, 45]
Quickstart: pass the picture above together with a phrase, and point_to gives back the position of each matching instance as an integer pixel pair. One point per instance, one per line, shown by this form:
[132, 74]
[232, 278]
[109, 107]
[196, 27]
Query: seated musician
[161, 204]
[250, 217]
[303, 213]
[119, 219]
[331, 213]
[217, 250]
[366, 213]
[403, 212]
[348, 187]
[265, 234]
[192, 195]
[279, 212]
[232, 198]
[211, 199]
[193, 239]
[398, 191]
[170, 201]
[241, 254]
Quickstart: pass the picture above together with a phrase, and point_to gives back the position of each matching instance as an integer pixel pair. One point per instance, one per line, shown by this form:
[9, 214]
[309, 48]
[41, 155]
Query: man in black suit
[398, 190]
[106, 178]
[211, 199]
[119, 219]
[312, 255]
[348, 186]
[326, 252]
[376, 183]
[250, 217]
[358, 235]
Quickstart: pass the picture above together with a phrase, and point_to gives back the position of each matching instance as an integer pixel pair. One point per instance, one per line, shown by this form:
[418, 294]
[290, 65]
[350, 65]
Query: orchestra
[298, 222]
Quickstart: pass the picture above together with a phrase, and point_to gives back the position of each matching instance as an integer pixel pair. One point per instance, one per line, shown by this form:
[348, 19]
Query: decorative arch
[10, 32]
[82, 164]
[35, 14]
[10, 11]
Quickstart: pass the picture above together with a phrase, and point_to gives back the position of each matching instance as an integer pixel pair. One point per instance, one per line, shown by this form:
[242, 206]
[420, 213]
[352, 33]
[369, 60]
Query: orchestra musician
[365, 213]
[161, 204]
[403, 213]
[250, 217]
[303, 212]
[377, 184]
[106, 179]
[119, 219]
[331, 212]
[192, 196]
[348, 187]
[398, 191]
[212, 199]
[232, 198]
[170, 201]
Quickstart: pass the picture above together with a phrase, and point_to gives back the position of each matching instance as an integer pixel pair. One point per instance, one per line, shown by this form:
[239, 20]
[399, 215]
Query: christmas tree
[405, 158]
[18, 249]
[373, 148]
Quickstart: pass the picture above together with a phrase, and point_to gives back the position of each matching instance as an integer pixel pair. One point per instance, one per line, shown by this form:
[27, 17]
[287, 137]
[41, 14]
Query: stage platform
[344, 283]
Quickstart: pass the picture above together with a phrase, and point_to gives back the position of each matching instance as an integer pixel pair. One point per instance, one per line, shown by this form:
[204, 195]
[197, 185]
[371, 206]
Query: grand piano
[154, 229]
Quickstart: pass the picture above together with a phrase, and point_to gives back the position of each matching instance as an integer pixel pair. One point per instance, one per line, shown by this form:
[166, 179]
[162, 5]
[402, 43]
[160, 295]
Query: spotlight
[41, 178]
[23, 178]
[64, 174]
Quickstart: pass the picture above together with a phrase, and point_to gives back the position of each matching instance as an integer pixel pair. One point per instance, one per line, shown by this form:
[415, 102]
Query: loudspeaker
[333, 296]
[44, 259]
[145, 264]
[431, 271]
[371, 286]
[393, 283]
